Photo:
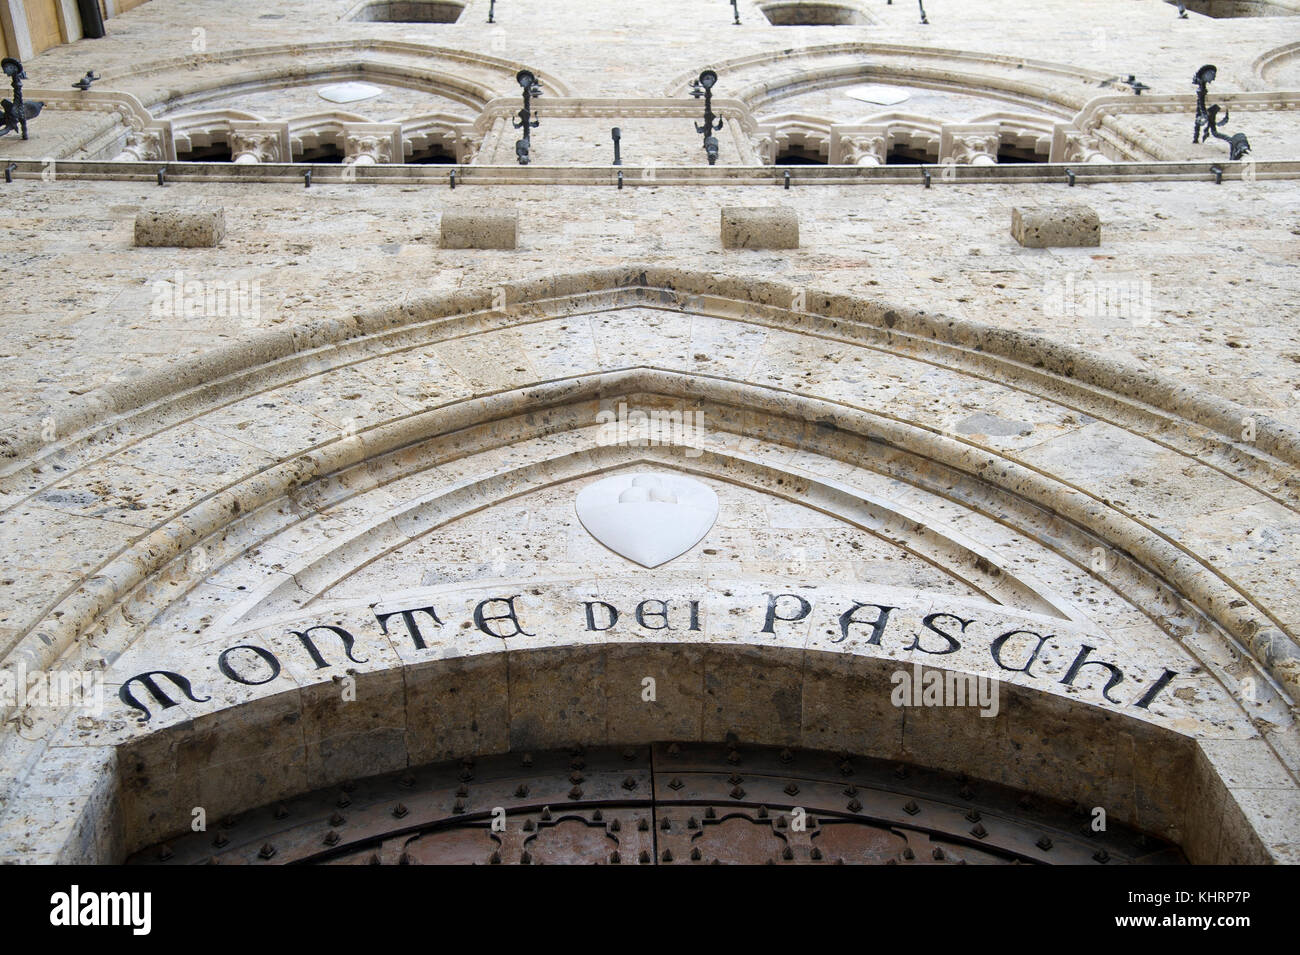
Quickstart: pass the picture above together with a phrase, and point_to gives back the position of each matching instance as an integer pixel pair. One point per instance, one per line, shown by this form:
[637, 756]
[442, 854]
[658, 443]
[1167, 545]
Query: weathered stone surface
[480, 228]
[900, 414]
[760, 227]
[1046, 227]
[199, 226]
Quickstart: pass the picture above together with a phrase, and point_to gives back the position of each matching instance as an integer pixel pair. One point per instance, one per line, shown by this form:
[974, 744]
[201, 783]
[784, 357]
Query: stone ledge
[759, 227]
[186, 227]
[480, 228]
[1065, 226]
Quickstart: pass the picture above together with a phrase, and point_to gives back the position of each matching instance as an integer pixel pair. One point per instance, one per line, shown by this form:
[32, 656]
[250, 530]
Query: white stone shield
[648, 518]
[348, 92]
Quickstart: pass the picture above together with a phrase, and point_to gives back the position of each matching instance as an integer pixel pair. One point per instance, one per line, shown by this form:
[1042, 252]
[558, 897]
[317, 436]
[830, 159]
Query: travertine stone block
[182, 226]
[760, 227]
[1056, 226]
[480, 228]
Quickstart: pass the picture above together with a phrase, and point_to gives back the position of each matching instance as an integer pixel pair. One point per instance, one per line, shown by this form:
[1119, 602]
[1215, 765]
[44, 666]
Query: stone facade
[303, 497]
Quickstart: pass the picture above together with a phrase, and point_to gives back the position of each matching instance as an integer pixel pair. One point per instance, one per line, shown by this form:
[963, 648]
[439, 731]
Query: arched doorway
[992, 553]
[667, 803]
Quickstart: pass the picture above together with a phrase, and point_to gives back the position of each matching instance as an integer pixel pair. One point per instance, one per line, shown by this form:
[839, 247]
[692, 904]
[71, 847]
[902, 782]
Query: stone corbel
[467, 143]
[369, 144]
[252, 141]
[147, 142]
[859, 145]
[1070, 145]
[144, 146]
[970, 144]
[763, 142]
[780, 143]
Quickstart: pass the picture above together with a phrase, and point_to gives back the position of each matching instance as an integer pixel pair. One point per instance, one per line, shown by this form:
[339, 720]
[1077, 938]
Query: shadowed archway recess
[665, 804]
[314, 456]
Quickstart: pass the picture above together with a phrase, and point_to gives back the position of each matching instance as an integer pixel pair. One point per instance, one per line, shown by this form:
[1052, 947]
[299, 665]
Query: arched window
[407, 11]
[1230, 9]
[798, 14]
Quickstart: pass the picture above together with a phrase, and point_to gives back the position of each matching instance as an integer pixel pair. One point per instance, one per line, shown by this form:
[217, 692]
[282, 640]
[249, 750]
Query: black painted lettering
[769, 626]
[224, 665]
[1081, 661]
[877, 626]
[953, 644]
[611, 614]
[314, 651]
[661, 613]
[127, 696]
[1149, 696]
[412, 626]
[481, 619]
[996, 649]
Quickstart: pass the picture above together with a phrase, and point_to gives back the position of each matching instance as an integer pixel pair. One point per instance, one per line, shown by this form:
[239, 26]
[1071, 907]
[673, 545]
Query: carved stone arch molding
[479, 76]
[1052, 98]
[1279, 66]
[762, 80]
[382, 505]
[157, 91]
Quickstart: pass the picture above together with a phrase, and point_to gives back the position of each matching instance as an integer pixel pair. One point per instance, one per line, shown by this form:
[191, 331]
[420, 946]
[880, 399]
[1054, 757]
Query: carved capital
[864, 150]
[367, 148]
[1082, 149]
[966, 149]
[255, 147]
[142, 147]
[468, 148]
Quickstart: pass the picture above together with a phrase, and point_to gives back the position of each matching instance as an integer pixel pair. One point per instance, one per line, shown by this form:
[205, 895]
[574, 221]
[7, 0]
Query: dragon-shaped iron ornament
[703, 87]
[1207, 117]
[528, 120]
[16, 113]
